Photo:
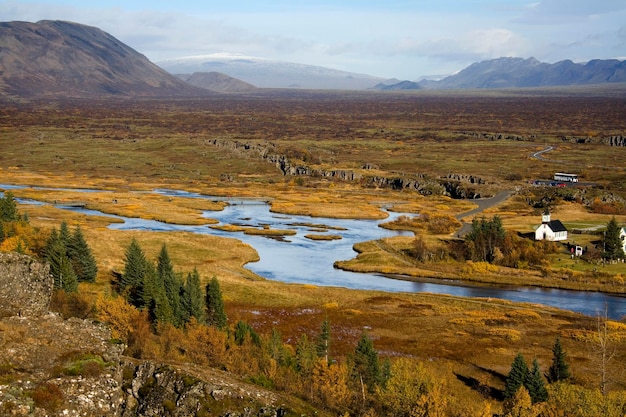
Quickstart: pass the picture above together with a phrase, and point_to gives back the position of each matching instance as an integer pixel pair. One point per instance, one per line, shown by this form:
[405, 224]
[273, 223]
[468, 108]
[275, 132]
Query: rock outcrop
[51, 366]
[459, 188]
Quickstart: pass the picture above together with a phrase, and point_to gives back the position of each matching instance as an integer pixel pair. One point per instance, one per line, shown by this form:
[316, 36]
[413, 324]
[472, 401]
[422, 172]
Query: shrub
[47, 396]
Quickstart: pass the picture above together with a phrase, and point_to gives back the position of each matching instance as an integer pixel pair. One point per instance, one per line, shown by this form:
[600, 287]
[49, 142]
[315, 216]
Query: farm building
[550, 229]
[622, 235]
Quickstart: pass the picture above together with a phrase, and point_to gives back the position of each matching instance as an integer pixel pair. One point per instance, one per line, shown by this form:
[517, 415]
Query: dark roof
[557, 226]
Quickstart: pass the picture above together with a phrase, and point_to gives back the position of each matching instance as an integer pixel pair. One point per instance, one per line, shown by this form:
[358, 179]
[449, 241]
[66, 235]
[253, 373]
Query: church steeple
[545, 219]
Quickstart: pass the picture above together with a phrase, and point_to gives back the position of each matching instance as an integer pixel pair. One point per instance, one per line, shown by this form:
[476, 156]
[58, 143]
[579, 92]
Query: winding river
[297, 259]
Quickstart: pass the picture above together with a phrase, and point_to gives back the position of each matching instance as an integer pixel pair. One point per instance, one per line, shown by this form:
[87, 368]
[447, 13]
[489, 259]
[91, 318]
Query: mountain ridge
[513, 72]
[55, 57]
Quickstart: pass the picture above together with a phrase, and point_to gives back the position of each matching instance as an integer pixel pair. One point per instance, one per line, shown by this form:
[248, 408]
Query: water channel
[297, 259]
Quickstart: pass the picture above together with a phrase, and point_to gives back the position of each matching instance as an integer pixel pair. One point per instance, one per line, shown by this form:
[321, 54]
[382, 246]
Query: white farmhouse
[550, 229]
[622, 235]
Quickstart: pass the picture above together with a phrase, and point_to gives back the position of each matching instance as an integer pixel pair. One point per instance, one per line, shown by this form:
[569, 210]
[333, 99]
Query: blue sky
[395, 38]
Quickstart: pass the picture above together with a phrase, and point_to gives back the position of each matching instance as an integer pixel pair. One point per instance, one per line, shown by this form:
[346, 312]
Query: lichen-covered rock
[25, 286]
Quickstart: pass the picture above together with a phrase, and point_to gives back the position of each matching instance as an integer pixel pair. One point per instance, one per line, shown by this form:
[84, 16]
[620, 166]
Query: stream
[297, 259]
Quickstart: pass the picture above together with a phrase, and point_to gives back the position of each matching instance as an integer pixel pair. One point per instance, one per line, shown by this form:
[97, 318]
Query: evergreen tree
[52, 240]
[159, 307]
[64, 234]
[518, 375]
[131, 283]
[366, 368]
[323, 341]
[8, 208]
[485, 237]
[61, 267]
[172, 284]
[559, 370]
[192, 298]
[216, 316]
[306, 355]
[243, 332]
[613, 248]
[82, 258]
[535, 385]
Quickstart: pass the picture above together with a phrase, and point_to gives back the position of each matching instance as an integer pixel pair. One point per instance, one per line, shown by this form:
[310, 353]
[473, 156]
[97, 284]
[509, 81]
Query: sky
[392, 38]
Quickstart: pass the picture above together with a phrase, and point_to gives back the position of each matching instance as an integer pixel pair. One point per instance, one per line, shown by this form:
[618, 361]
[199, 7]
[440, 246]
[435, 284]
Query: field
[477, 143]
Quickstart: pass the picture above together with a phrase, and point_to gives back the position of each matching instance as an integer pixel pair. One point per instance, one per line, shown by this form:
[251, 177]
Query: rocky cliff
[50, 366]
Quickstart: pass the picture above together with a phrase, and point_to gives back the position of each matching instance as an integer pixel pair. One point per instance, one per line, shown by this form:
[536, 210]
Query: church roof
[556, 226]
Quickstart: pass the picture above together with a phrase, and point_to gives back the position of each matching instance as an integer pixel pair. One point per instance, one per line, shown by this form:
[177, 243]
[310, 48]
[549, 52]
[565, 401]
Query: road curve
[483, 203]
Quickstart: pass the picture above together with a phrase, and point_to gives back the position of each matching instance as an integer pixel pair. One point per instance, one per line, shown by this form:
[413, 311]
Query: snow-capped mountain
[265, 73]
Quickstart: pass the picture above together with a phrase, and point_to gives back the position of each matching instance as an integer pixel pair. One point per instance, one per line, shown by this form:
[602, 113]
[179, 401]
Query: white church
[550, 229]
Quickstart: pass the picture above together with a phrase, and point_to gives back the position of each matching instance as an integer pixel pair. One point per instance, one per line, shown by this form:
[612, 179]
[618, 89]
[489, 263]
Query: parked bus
[560, 176]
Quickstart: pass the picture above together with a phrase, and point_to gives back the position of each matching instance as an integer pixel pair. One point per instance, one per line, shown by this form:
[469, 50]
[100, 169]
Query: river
[297, 259]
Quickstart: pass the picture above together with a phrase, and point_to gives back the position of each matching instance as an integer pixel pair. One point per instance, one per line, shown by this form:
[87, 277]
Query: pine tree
[172, 284]
[8, 208]
[485, 237]
[64, 234]
[535, 385]
[192, 298]
[61, 267]
[517, 377]
[323, 341]
[613, 248]
[82, 258]
[366, 368]
[131, 283]
[216, 316]
[559, 370]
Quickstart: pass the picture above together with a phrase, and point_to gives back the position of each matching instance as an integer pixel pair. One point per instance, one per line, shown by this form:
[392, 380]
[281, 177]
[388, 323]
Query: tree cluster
[16, 233]
[165, 295]
[70, 257]
[488, 241]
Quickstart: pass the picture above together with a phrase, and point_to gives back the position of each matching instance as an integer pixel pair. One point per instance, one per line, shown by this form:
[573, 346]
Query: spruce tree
[559, 370]
[131, 283]
[323, 341]
[216, 316]
[517, 377]
[366, 368]
[61, 267]
[8, 208]
[613, 248]
[82, 258]
[192, 298]
[64, 234]
[172, 284]
[535, 385]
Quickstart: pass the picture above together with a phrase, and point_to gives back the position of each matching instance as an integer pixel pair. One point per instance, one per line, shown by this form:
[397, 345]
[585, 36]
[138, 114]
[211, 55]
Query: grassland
[128, 147]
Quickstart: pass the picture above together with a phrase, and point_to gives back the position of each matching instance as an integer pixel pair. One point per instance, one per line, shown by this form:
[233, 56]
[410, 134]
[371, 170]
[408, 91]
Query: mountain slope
[216, 81]
[65, 58]
[266, 73]
[519, 72]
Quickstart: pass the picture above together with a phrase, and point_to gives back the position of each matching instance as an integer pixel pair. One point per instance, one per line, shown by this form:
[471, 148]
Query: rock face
[25, 286]
[50, 366]
[453, 185]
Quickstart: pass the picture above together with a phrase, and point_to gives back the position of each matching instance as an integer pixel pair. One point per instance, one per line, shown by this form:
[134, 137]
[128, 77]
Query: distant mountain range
[519, 73]
[267, 73]
[74, 60]
[58, 58]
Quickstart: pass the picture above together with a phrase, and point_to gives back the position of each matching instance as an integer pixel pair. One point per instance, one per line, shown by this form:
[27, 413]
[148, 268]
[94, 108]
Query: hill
[74, 60]
[216, 81]
[265, 73]
[520, 72]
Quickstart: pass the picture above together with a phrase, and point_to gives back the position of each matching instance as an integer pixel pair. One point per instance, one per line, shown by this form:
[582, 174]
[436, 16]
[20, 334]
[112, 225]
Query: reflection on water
[300, 260]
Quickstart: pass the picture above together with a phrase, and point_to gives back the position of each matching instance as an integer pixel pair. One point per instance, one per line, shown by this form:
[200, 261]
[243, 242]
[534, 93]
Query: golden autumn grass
[125, 152]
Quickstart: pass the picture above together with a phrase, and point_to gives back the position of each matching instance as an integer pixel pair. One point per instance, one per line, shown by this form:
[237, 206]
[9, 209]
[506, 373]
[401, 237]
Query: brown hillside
[216, 81]
[74, 60]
